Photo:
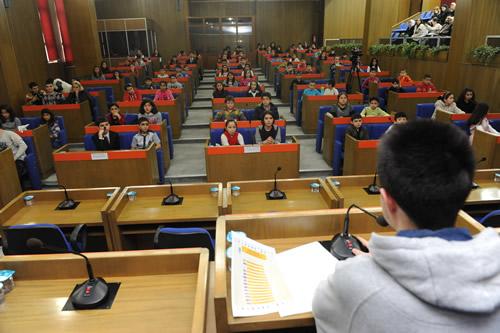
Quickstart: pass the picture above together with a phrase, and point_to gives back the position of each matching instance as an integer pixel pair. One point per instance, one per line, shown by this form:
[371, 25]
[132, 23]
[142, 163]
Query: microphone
[343, 243]
[88, 295]
[373, 187]
[172, 199]
[67, 203]
[474, 184]
[276, 194]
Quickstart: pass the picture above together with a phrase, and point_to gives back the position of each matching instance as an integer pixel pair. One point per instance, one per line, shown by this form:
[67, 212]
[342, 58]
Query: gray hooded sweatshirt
[414, 285]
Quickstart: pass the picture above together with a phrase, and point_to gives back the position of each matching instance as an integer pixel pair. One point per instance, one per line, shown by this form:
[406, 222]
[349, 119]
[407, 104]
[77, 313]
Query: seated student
[395, 87]
[356, 129]
[247, 70]
[311, 90]
[162, 74]
[143, 139]
[231, 137]
[224, 71]
[268, 132]
[116, 75]
[247, 78]
[431, 276]
[399, 118]
[164, 93]
[479, 121]
[174, 84]
[302, 65]
[131, 94]
[374, 65]
[420, 31]
[446, 29]
[149, 111]
[114, 116]
[219, 91]
[104, 67]
[179, 72]
[8, 119]
[97, 74]
[51, 96]
[426, 85]
[466, 101]
[372, 78]
[373, 109]
[47, 117]
[446, 103]
[148, 84]
[289, 70]
[343, 108]
[105, 139]
[265, 106]
[35, 95]
[254, 90]
[308, 70]
[231, 81]
[297, 81]
[330, 89]
[229, 112]
[404, 78]
[78, 94]
[10, 139]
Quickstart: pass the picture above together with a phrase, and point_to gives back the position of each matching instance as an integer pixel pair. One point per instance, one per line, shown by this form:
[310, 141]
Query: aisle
[188, 164]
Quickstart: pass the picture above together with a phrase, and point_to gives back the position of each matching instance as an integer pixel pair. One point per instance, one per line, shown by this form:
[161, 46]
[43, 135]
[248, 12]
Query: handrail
[406, 20]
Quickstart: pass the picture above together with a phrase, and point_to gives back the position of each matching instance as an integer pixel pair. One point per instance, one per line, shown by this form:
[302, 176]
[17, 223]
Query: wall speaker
[6, 3]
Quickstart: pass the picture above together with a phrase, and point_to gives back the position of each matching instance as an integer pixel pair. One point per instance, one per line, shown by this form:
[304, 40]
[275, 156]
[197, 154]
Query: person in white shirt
[446, 103]
[420, 31]
[330, 89]
[479, 121]
[433, 27]
[231, 137]
[143, 139]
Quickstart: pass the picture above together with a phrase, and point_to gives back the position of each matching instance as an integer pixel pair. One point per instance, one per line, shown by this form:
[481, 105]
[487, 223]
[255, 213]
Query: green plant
[376, 49]
[485, 53]
[406, 49]
[435, 50]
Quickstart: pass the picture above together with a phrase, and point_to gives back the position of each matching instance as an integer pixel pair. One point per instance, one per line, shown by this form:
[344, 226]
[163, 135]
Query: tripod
[354, 72]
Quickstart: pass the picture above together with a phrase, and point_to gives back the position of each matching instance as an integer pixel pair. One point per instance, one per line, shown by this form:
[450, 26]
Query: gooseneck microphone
[89, 294]
[276, 194]
[172, 199]
[343, 243]
[67, 203]
[373, 187]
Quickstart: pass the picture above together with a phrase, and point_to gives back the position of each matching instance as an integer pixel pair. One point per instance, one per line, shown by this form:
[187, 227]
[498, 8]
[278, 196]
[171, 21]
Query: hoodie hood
[455, 275]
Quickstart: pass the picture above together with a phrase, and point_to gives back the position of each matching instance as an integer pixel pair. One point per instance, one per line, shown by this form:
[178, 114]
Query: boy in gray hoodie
[431, 276]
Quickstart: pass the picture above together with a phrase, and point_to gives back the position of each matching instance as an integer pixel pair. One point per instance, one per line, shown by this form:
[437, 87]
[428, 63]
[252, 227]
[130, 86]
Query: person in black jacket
[105, 139]
[266, 106]
[78, 94]
[219, 91]
[297, 80]
[356, 129]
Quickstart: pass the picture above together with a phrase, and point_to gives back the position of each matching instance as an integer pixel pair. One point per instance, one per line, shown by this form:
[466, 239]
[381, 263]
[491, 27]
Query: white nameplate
[251, 149]
[99, 156]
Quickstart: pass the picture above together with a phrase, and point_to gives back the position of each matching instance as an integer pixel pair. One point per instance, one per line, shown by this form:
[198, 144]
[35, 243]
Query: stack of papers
[264, 282]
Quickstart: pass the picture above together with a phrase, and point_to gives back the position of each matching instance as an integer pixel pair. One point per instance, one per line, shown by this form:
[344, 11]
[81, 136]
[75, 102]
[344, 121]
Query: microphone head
[34, 244]
[279, 168]
[381, 221]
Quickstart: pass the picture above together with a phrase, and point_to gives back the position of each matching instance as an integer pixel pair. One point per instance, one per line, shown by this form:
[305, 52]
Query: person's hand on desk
[357, 252]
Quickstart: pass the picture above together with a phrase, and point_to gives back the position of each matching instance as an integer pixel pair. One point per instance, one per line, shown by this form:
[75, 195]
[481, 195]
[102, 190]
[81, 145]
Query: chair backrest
[322, 111]
[357, 108]
[247, 133]
[131, 119]
[17, 236]
[30, 143]
[377, 130]
[425, 110]
[249, 113]
[34, 122]
[126, 139]
[88, 142]
[165, 116]
[173, 238]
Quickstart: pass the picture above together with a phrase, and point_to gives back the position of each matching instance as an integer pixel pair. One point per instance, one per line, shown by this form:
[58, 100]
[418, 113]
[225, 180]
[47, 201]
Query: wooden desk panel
[241, 103]
[9, 180]
[407, 102]
[146, 209]
[75, 116]
[285, 231]
[43, 147]
[118, 86]
[488, 191]
[121, 168]
[92, 210]
[252, 197]
[487, 145]
[224, 164]
[286, 80]
[159, 289]
[360, 156]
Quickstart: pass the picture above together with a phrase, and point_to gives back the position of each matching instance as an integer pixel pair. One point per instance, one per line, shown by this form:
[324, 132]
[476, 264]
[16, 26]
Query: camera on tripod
[355, 56]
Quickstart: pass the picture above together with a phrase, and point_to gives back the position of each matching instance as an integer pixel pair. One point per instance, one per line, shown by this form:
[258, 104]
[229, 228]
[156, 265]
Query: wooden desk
[301, 87]
[9, 179]
[161, 290]
[179, 94]
[363, 76]
[43, 147]
[284, 231]
[173, 108]
[231, 163]
[161, 129]
[286, 80]
[311, 105]
[92, 211]
[145, 213]
[374, 87]
[360, 156]
[351, 190]
[118, 86]
[106, 168]
[487, 145]
[407, 102]
[186, 82]
[252, 198]
[75, 116]
[242, 103]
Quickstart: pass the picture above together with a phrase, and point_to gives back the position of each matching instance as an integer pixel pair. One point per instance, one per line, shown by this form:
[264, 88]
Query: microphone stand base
[105, 304]
[67, 205]
[276, 195]
[372, 190]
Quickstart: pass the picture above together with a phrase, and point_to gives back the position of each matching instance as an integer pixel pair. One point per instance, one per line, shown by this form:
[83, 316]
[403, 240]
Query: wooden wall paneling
[169, 24]
[344, 19]
[415, 7]
[430, 4]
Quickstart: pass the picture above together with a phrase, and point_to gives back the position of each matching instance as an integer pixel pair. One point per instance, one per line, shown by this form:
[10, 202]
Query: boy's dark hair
[128, 85]
[49, 81]
[32, 84]
[100, 120]
[266, 94]
[427, 167]
[113, 104]
[356, 116]
[400, 115]
[374, 99]
[52, 116]
[228, 98]
[148, 79]
[395, 81]
[427, 76]
[142, 119]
